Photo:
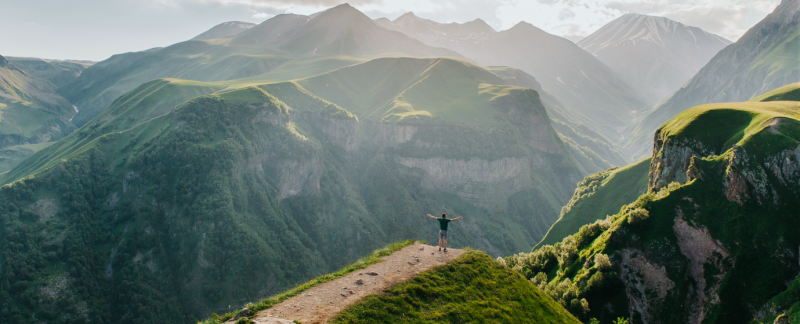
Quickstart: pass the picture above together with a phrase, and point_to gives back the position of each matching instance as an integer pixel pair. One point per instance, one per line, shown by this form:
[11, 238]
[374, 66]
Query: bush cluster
[560, 258]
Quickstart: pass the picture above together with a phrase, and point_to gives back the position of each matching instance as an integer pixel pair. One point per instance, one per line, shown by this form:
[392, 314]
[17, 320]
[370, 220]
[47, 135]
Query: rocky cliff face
[714, 238]
[671, 160]
[487, 184]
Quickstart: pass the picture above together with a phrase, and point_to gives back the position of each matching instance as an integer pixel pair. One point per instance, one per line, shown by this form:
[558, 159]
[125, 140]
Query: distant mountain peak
[407, 15]
[638, 27]
[630, 43]
[526, 27]
[3, 62]
[344, 13]
[479, 25]
[523, 25]
[225, 30]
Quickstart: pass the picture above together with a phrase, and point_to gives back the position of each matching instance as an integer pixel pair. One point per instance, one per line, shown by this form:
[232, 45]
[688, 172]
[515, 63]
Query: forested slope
[237, 195]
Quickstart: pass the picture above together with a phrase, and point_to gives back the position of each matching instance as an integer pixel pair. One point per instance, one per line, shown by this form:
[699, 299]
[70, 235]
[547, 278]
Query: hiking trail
[321, 303]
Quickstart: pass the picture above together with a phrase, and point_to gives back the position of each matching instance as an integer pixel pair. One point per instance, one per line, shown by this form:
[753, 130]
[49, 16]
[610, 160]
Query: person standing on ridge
[443, 229]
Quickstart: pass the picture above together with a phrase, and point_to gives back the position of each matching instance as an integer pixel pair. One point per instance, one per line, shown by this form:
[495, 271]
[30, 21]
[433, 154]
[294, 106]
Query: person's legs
[441, 237]
[445, 243]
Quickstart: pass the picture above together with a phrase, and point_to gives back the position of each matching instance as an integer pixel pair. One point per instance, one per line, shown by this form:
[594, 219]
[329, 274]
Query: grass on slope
[471, 289]
[788, 300]
[762, 130]
[23, 118]
[11, 156]
[597, 196]
[374, 258]
[392, 89]
[789, 92]
[720, 126]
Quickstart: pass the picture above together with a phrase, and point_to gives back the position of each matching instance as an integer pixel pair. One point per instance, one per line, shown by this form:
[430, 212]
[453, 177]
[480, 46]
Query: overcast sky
[97, 29]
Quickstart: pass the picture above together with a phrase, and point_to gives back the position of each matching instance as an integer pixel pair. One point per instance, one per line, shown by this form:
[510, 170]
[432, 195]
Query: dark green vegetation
[30, 109]
[764, 58]
[598, 196]
[362, 263]
[471, 289]
[713, 240]
[238, 195]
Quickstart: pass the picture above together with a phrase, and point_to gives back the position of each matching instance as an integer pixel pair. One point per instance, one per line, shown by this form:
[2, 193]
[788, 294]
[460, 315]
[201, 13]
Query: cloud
[260, 15]
[565, 14]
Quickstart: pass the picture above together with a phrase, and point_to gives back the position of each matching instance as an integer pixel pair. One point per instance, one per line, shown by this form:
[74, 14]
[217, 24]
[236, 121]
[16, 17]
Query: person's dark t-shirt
[443, 223]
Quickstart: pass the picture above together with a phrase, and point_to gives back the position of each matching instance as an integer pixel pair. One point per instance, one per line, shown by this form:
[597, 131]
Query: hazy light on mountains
[95, 29]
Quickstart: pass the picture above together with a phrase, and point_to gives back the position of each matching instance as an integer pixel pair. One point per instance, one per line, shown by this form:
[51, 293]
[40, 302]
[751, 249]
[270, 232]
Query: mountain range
[231, 167]
[578, 79]
[763, 59]
[658, 53]
[312, 184]
[268, 47]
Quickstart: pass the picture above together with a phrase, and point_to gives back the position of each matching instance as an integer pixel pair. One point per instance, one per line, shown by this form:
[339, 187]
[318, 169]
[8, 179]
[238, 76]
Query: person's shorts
[442, 235]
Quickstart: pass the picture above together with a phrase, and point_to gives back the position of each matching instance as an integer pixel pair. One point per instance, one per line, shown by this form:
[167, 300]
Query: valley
[254, 173]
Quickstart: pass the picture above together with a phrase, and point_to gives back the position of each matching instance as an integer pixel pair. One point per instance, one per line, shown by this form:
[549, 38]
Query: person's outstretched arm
[457, 218]
[429, 215]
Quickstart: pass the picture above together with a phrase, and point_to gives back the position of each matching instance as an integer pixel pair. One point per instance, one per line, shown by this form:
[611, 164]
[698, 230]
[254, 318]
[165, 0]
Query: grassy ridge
[751, 232]
[597, 196]
[471, 289]
[763, 59]
[388, 89]
[721, 126]
[789, 92]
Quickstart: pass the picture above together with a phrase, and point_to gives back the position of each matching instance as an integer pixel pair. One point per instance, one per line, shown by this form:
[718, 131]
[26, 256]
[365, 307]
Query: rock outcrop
[701, 250]
[483, 183]
[646, 283]
[671, 160]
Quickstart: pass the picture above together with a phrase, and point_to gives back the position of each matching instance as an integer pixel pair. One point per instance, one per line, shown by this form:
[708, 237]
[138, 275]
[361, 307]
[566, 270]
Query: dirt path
[319, 304]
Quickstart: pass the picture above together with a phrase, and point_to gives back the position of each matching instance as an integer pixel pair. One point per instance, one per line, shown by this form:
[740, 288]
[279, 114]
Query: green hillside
[379, 90]
[789, 92]
[472, 289]
[237, 195]
[577, 78]
[597, 196]
[763, 59]
[282, 48]
[53, 73]
[293, 47]
[30, 110]
[685, 249]
[11, 156]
